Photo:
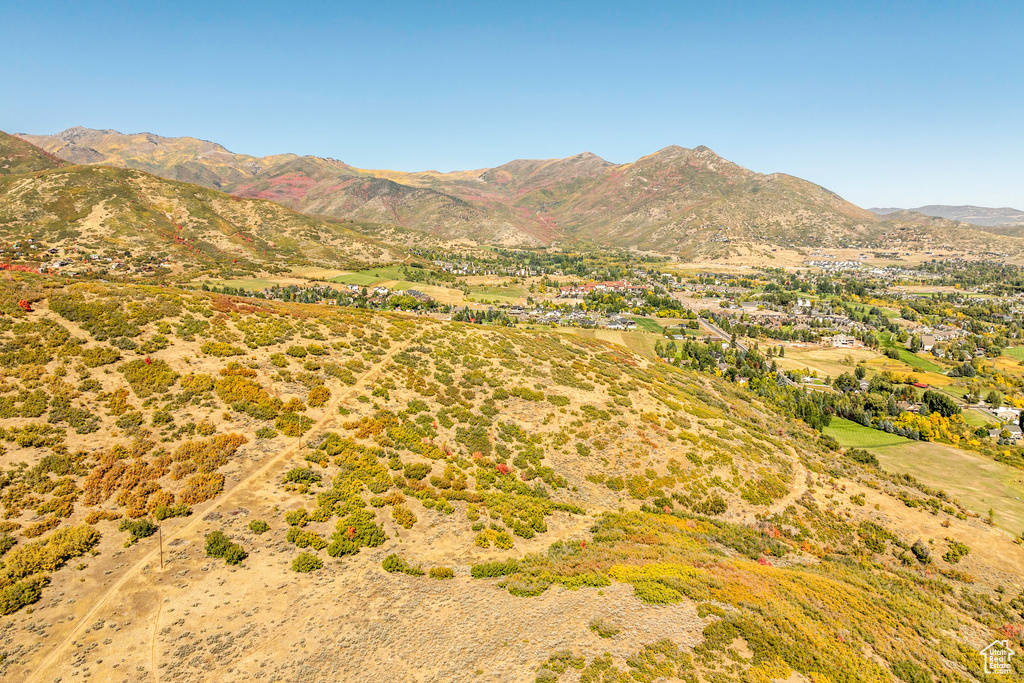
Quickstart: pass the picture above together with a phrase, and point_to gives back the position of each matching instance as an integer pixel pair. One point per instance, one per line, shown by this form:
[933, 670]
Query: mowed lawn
[852, 435]
[648, 325]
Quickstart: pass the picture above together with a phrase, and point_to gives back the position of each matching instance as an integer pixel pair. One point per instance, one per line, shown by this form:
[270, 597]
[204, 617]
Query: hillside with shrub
[147, 224]
[228, 476]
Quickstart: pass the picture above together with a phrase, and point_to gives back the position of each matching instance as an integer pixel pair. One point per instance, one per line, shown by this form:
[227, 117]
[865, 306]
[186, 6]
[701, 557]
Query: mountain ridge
[689, 202]
[984, 216]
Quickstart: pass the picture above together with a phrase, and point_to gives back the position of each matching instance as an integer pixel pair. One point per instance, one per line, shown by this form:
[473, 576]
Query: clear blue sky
[886, 103]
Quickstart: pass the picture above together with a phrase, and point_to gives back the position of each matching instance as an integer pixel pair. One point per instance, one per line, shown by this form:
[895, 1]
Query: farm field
[979, 483]
[502, 295]
[636, 341]
[828, 362]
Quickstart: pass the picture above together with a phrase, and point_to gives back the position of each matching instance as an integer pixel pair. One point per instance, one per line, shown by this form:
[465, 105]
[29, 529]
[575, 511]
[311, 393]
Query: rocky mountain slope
[686, 201]
[351, 495]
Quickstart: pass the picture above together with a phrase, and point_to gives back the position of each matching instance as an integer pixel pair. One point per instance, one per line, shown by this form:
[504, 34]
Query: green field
[976, 419]
[1015, 352]
[911, 359]
[501, 294]
[371, 276]
[852, 435]
[250, 284]
[648, 325]
[977, 482]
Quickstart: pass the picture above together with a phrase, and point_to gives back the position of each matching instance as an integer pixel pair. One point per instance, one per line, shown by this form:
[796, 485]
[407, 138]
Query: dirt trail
[331, 418]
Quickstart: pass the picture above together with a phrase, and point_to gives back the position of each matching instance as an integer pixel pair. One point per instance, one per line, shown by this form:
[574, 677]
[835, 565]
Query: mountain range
[978, 215]
[689, 202]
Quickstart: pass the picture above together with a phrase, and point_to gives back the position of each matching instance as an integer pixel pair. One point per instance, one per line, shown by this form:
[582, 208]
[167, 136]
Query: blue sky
[886, 103]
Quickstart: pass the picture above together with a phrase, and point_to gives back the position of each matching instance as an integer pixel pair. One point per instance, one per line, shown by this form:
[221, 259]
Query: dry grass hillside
[17, 156]
[197, 487]
[109, 211]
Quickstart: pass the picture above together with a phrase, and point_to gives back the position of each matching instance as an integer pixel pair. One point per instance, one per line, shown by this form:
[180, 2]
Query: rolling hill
[344, 494]
[122, 213]
[690, 202]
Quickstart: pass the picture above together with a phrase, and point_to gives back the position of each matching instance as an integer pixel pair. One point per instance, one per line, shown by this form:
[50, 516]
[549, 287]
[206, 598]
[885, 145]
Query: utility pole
[160, 533]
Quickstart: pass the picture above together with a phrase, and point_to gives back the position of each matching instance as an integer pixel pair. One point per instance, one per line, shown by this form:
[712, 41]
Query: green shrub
[235, 554]
[297, 517]
[357, 530]
[829, 442]
[302, 475]
[305, 539]
[956, 551]
[604, 629]
[442, 573]
[130, 421]
[862, 456]
[306, 562]
[711, 506]
[293, 424]
[393, 563]
[17, 595]
[403, 516]
[100, 355]
[318, 396]
[219, 545]
[162, 418]
[417, 471]
[146, 379]
[258, 526]
[921, 551]
[221, 349]
[163, 512]
[48, 554]
[489, 570]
